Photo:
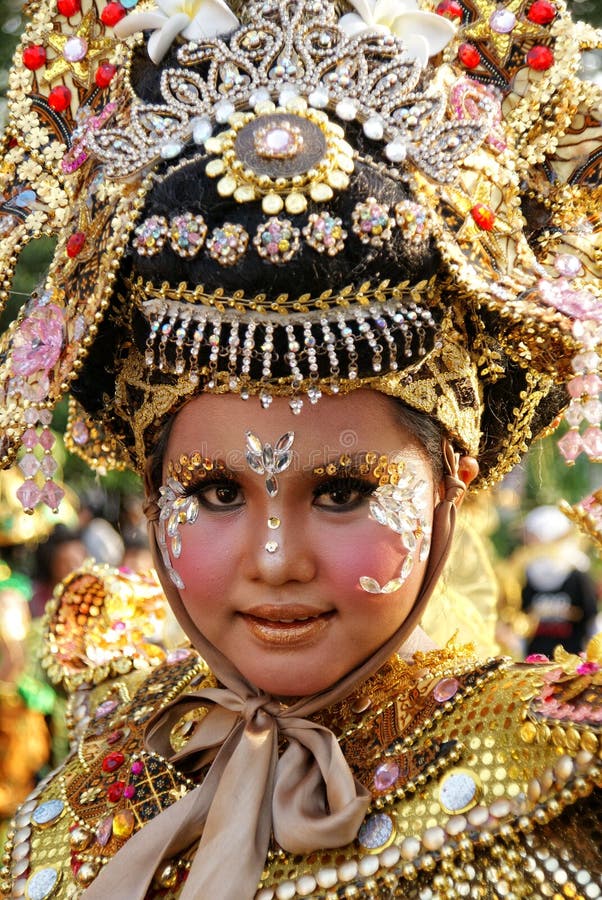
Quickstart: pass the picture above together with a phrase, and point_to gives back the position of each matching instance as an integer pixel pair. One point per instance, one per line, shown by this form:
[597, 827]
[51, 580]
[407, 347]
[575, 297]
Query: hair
[428, 432]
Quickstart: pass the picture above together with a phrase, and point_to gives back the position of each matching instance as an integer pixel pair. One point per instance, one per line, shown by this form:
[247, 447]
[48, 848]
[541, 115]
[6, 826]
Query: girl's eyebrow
[186, 469]
[361, 461]
[385, 469]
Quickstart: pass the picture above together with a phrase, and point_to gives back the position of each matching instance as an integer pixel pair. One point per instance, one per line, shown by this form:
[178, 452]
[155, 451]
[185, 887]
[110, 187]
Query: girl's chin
[288, 684]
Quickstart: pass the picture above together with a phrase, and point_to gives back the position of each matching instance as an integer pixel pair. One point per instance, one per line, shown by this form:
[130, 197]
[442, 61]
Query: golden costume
[292, 200]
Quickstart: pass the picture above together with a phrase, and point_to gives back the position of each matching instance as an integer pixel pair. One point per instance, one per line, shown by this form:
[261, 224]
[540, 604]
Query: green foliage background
[546, 476]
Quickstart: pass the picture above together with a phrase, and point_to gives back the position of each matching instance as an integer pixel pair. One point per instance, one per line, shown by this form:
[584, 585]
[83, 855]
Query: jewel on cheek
[401, 503]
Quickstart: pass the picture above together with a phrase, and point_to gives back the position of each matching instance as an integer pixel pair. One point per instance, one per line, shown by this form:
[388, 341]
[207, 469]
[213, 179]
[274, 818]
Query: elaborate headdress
[441, 223]
[289, 143]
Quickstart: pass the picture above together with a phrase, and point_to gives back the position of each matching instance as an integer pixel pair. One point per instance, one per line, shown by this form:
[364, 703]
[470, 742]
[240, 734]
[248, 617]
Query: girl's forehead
[355, 422]
[356, 434]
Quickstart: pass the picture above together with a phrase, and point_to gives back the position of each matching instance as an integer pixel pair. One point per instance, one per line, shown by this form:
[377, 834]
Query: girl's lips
[284, 612]
[284, 626]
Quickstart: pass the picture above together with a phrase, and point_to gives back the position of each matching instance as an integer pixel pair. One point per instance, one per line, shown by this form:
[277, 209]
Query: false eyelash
[361, 485]
[209, 480]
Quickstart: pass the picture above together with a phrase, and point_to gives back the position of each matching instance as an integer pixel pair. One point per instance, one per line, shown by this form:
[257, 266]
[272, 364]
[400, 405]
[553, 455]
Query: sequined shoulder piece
[103, 622]
[469, 780]
[81, 816]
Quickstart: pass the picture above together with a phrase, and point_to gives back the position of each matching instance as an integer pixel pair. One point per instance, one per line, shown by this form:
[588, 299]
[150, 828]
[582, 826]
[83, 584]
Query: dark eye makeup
[342, 493]
[337, 493]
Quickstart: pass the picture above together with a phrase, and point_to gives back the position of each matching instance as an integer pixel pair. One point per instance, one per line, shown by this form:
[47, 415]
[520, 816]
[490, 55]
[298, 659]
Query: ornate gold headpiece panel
[304, 53]
[303, 342]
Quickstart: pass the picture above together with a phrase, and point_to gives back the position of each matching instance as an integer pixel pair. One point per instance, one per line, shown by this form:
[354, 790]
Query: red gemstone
[34, 57]
[112, 761]
[59, 98]
[542, 12]
[469, 56]
[112, 14]
[115, 791]
[75, 244]
[76, 864]
[483, 216]
[540, 58]
[68, 8]
[104, 74]
[451, 9]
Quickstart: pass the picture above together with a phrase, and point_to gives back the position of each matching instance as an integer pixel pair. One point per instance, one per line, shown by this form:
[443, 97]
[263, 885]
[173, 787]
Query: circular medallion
[377, 832]
[459, 791]
[280, 156]
[47, 813]
[280, 145]
[42, 883]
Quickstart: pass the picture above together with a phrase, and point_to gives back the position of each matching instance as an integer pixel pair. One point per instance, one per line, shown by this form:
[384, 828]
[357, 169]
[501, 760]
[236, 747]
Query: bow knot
[307, 796]
[259, 711]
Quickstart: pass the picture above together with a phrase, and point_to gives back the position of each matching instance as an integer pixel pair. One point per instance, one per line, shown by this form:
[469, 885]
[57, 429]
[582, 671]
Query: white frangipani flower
[195, 20]
[424, 34]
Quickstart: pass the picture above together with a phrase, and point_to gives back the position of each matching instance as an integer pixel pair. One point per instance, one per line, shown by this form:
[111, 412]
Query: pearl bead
[410, 848]
[348, 870]
[327, 878]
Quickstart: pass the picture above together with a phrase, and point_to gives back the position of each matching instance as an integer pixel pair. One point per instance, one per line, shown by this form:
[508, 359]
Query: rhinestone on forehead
[269, 460]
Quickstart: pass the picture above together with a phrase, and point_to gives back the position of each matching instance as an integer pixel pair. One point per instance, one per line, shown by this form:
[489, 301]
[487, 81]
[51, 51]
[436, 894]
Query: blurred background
[524, 581]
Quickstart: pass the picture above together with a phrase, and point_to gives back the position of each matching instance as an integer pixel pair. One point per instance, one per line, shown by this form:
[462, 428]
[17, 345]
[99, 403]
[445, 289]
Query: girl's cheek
[371, 550]
[207, 555]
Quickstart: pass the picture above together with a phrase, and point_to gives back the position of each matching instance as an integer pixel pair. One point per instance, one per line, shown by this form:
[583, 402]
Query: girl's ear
[468, 469]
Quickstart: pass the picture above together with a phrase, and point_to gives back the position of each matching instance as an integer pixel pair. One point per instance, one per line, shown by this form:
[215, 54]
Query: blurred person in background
[137, 555]
[102, 542]
[558, 594]
[63, 551]
[24, 701]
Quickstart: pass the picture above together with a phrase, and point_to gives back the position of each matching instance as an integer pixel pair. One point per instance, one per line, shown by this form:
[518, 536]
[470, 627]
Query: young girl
[296, 289]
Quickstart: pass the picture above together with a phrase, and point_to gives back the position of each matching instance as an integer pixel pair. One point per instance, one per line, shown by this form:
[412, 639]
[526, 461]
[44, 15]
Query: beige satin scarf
[307, 796]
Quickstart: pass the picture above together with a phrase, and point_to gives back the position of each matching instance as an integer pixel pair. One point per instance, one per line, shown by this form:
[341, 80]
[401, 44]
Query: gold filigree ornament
[281, 155]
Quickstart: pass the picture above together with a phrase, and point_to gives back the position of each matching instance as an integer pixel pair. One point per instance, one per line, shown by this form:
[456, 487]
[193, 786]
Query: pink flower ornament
[38, 342]
[588, 668]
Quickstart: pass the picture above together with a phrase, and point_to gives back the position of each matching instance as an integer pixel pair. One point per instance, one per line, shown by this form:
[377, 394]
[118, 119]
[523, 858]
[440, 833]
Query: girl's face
[273, 579]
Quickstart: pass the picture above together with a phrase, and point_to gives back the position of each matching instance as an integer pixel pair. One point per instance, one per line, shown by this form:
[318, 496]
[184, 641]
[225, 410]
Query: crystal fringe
[253, 339]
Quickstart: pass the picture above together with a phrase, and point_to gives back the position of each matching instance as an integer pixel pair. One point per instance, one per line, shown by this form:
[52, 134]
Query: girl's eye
[224, 495]
[342, 494]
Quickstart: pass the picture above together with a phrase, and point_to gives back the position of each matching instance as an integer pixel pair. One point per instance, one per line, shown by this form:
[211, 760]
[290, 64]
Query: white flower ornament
[424, 34]
[194, 19]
